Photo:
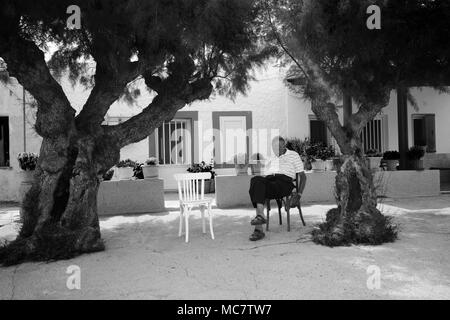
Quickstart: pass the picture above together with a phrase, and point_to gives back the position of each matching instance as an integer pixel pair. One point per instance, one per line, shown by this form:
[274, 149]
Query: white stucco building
[268, 109]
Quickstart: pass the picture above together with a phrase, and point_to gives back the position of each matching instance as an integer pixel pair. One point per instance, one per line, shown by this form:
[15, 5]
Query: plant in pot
[317, 153]
[373, 159]
[124, 169]
[27, 162]
[391, 159]
[150, 169]
[107, 176]
[415, 154]
[256, 164]
[138, 173]
[210, 186]
[241, 164]
[327, 154]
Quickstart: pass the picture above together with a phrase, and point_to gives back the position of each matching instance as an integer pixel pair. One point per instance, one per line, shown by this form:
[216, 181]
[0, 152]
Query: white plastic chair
[191, 193]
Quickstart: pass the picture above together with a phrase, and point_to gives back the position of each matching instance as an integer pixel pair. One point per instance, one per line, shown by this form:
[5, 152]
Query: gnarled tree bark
[356, 219]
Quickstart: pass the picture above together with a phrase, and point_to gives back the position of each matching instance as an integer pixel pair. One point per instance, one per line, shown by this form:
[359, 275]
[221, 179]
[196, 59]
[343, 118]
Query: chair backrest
[191, 186]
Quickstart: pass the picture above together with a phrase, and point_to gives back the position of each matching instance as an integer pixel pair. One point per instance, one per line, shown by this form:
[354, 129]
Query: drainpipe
[24, 123]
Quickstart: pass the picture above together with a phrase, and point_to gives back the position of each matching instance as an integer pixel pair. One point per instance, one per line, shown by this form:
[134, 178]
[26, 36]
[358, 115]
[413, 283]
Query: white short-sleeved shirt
[288, 164]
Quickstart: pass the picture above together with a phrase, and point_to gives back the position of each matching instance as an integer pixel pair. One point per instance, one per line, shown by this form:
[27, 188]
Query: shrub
[152, 161]
[201, 167]
[298, 145]
[320, 151]
[137, 171]
[373, 153]
[126, 163]
[27, 160]
[391, 155]
[415, 153]
[108, 175]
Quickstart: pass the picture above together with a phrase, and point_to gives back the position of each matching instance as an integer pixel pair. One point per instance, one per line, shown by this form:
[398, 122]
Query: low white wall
[10, 179]
[232, 191]
[130, 197]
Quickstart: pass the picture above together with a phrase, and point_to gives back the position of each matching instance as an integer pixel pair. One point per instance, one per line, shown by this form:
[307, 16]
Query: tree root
[370, 228]
[50, 244]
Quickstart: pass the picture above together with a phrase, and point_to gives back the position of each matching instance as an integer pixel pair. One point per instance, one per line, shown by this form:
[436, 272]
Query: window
[318, 131]
[374, 135]
[174, 142]
[424, 131]
[4, 142]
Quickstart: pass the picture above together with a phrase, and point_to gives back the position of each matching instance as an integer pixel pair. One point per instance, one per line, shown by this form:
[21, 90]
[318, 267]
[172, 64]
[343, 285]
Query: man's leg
[258, 196]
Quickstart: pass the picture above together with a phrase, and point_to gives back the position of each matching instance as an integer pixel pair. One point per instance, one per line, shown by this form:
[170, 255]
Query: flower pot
[124, 173]
[25, 183]
[210, 186]
[391, 165]
[257, 167]
[150, 172]
[329, 165]
[374, 163]
[318, 165]
[416, 164]
[241, 169]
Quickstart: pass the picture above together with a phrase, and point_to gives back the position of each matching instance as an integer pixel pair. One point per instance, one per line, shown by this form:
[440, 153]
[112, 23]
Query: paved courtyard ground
[145, 259]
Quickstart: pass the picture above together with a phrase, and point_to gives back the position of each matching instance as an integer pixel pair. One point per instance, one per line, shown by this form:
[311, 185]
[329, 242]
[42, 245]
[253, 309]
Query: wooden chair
[191, 193]
[286, 201]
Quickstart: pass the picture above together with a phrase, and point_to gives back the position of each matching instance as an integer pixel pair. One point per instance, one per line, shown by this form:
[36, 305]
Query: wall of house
[428, 101]
[11, 106]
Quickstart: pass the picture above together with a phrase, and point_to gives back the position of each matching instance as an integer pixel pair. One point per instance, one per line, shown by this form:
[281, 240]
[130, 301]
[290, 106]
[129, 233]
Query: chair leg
[202, 210]
[288, 217]
[210, 221]
[186, 223]
[279, 204]
[180, 229]
[268, 214]
[301, 214]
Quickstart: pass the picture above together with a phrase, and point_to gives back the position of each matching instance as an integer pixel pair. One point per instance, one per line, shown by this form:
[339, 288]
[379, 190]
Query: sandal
[257, 235]
[258, 220]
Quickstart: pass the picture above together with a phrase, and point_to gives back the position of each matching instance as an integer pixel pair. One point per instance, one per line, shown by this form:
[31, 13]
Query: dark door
[318, 131]
[430, 129]
[4, 142]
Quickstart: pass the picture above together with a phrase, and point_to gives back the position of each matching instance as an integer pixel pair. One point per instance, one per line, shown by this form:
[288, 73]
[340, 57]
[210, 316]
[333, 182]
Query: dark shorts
[270, 187]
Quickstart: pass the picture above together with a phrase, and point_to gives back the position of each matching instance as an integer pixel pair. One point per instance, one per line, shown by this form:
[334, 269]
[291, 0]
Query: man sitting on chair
[276, 184]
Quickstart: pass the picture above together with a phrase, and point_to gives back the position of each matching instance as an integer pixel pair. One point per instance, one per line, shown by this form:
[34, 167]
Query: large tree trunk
[60, 211]
[356, 219]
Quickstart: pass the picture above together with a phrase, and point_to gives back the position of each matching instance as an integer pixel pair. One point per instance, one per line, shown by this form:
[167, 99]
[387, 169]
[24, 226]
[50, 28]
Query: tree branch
[109, 86]
[162, 108]
[327, 113]
[27, 64]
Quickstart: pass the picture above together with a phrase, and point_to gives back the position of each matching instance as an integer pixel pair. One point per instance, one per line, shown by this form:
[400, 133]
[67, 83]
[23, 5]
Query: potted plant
[415, 154]
[256, 164]
[27, 162]
[391, 159]
[241, 164]
[107, 176]
[150, 169]
[373, 159]
[124, 169]
[210, 186]
[327, 155]
[319, 153]
[138, 172]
